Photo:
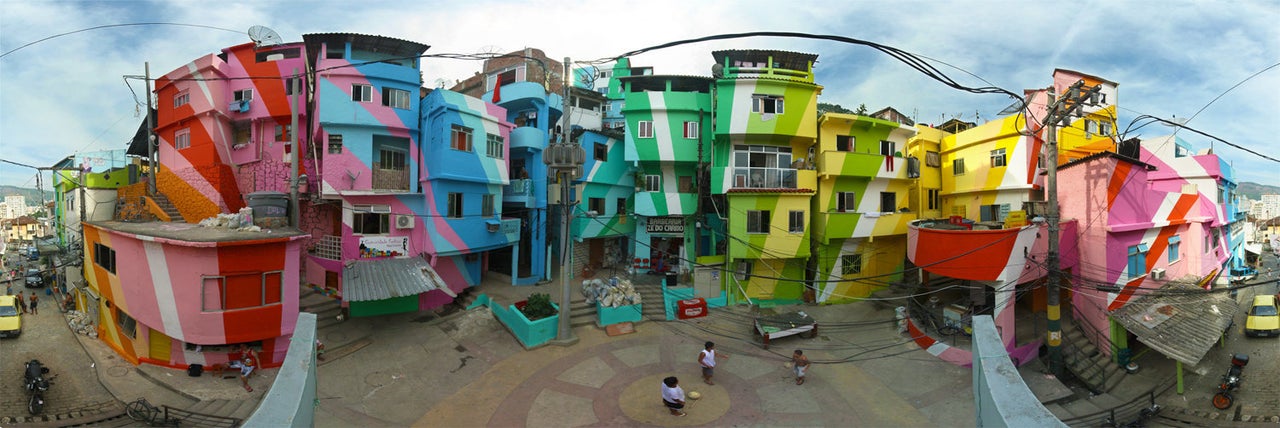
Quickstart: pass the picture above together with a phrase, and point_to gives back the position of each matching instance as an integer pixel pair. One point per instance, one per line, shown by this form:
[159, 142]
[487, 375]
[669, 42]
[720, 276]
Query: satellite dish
[717, 71]
[263, 36]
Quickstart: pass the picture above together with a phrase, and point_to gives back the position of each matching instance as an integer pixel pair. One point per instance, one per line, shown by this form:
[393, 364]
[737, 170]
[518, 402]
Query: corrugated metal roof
[1180, 320]
[365, 280]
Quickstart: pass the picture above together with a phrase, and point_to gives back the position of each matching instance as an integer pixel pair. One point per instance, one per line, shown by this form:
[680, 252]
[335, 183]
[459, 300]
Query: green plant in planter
[538, 307]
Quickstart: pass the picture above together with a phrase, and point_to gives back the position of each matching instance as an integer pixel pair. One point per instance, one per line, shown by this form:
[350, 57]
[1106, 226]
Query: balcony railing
[764, 178]
[328, 247]
[519, 187]
[390, 179]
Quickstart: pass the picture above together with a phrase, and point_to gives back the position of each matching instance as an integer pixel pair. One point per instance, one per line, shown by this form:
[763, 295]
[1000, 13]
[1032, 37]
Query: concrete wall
[292, 397]
[1001, 397]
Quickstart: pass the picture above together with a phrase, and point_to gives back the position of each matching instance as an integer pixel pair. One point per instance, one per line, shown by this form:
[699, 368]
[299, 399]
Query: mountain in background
[1255, 191]
[32, 195]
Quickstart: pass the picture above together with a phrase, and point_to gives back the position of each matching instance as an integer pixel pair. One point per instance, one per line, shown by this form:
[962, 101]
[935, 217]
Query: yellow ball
[694, 395]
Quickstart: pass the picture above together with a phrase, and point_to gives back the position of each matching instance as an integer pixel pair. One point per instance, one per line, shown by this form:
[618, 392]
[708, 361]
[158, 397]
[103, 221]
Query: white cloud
[1171, 58]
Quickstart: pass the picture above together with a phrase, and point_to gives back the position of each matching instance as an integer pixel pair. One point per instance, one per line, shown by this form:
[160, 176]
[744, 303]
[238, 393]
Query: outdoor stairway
[163, 202]
[1084, 407]
[1083, 359]
[650, 301]
[325, 307]
[215, 413]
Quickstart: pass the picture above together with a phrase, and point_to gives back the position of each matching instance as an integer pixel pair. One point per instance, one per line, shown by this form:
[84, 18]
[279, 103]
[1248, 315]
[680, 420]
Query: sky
[1171, 58]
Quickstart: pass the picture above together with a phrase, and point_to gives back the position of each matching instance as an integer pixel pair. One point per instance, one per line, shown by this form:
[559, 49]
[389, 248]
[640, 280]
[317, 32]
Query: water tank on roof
[269, 205]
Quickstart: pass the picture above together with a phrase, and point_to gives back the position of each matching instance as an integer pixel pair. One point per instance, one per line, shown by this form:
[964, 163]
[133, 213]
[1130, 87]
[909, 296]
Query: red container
[691, 308]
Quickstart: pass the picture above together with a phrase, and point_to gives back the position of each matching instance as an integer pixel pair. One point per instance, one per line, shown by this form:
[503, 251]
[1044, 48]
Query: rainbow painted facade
[991, 184]
[766, 121]
[1161, 217]
[665, 139]
[861, 211]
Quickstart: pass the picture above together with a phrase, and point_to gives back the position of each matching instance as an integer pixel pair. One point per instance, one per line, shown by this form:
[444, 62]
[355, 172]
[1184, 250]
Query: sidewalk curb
[161, 384]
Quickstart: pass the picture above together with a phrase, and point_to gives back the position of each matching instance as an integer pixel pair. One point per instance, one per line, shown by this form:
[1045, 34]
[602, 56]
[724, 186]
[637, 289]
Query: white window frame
[644, 129]
[998, 158]
[453, 138]
[887, 148]
[652, 183]
[846, 202]
[761, 102]
[361, 93]
[495, 146]
[182, 138]
[181, 99]
[383, 213]
[691, 130]
[396, 98]
[243, 95]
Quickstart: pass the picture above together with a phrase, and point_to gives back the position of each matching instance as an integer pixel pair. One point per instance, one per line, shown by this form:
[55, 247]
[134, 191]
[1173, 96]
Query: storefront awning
[1180, 320]
[378, 279]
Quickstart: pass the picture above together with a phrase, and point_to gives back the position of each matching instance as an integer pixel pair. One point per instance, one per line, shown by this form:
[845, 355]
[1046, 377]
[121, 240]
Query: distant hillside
[1255, 191]
[32, 195]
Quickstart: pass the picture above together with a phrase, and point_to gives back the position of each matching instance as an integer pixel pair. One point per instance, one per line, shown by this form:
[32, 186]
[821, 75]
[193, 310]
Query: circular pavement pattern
[617, 383]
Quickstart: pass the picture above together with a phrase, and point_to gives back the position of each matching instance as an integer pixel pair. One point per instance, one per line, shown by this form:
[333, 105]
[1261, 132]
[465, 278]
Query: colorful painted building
[766, 121]
[465, 164]
[1149, 224]
[602, 224]
[174, 294]
[991, 186]
[666, 140]
[861, 211]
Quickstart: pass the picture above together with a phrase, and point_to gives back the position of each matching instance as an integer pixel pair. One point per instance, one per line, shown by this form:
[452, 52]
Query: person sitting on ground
[247, 362]
[673, 395]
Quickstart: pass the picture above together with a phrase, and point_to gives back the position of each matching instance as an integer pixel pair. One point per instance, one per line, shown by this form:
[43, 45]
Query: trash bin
[195, 370]
[671, 279]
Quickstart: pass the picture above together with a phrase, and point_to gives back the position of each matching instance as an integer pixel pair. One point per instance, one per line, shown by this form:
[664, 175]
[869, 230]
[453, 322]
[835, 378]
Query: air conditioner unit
[1157, 274]
[404, 222]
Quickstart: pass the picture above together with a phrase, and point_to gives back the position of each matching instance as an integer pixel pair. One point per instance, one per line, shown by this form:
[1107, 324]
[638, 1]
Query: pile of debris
[80, 323]
[242, 221]
[612, 293]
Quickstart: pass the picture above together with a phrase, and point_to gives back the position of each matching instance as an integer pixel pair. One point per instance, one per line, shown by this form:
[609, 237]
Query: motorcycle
[1230, 382]
[36, 385]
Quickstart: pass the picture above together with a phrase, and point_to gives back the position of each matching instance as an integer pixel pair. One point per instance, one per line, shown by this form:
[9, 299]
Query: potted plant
[537, 307]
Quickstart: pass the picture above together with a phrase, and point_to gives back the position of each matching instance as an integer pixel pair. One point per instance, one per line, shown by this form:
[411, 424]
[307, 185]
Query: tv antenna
[263, 36]
[441, 82]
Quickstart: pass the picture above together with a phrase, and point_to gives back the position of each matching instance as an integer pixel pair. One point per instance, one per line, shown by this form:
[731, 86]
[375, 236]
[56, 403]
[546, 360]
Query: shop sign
[383, 246]
[665, 225]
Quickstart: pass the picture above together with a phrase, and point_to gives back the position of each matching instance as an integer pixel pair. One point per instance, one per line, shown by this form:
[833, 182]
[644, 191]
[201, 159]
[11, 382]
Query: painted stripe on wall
[163, 287]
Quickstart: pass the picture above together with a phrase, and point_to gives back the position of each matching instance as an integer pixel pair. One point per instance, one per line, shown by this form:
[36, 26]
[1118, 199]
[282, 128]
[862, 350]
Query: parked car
[34, 278]
[10, 318]
[1263, 319]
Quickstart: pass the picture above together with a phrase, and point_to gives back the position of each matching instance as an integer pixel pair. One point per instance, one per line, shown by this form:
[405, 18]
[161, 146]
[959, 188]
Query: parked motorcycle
[1230, 382]
[36, 385]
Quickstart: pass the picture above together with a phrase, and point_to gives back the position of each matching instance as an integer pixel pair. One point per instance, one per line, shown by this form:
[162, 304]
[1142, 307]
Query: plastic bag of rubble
[900, 313]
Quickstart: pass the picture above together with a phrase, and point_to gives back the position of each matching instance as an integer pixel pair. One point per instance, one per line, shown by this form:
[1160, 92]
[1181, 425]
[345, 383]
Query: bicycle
[142, 410]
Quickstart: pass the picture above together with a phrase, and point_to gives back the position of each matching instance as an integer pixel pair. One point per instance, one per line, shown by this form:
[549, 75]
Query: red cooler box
[691, 308]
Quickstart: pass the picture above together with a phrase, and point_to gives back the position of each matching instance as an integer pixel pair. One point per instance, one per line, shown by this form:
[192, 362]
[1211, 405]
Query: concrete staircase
[325, 307]
[220, 410]
[651, 304]
[1086, 362]
[1085, 407]
[165, 205]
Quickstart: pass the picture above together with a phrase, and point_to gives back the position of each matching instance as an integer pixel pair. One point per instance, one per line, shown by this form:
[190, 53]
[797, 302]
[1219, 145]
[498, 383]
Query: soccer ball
[694, 395]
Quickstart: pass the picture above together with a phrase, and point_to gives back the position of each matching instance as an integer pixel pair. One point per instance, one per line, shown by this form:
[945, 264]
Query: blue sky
[1170, 58]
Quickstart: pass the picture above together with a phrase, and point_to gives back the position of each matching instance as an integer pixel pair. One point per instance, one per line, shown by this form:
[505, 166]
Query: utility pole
[153, 165]
[564, 160]
[1061, 110]
[295, 102]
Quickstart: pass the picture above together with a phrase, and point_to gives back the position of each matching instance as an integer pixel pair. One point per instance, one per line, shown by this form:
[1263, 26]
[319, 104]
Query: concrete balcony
[528, 138]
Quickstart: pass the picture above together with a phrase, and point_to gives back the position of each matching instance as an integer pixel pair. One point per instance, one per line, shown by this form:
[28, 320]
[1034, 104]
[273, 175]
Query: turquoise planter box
[530, 333]
[626, 313]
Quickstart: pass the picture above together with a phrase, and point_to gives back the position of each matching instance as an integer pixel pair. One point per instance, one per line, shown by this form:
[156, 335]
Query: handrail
[1125, 411]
